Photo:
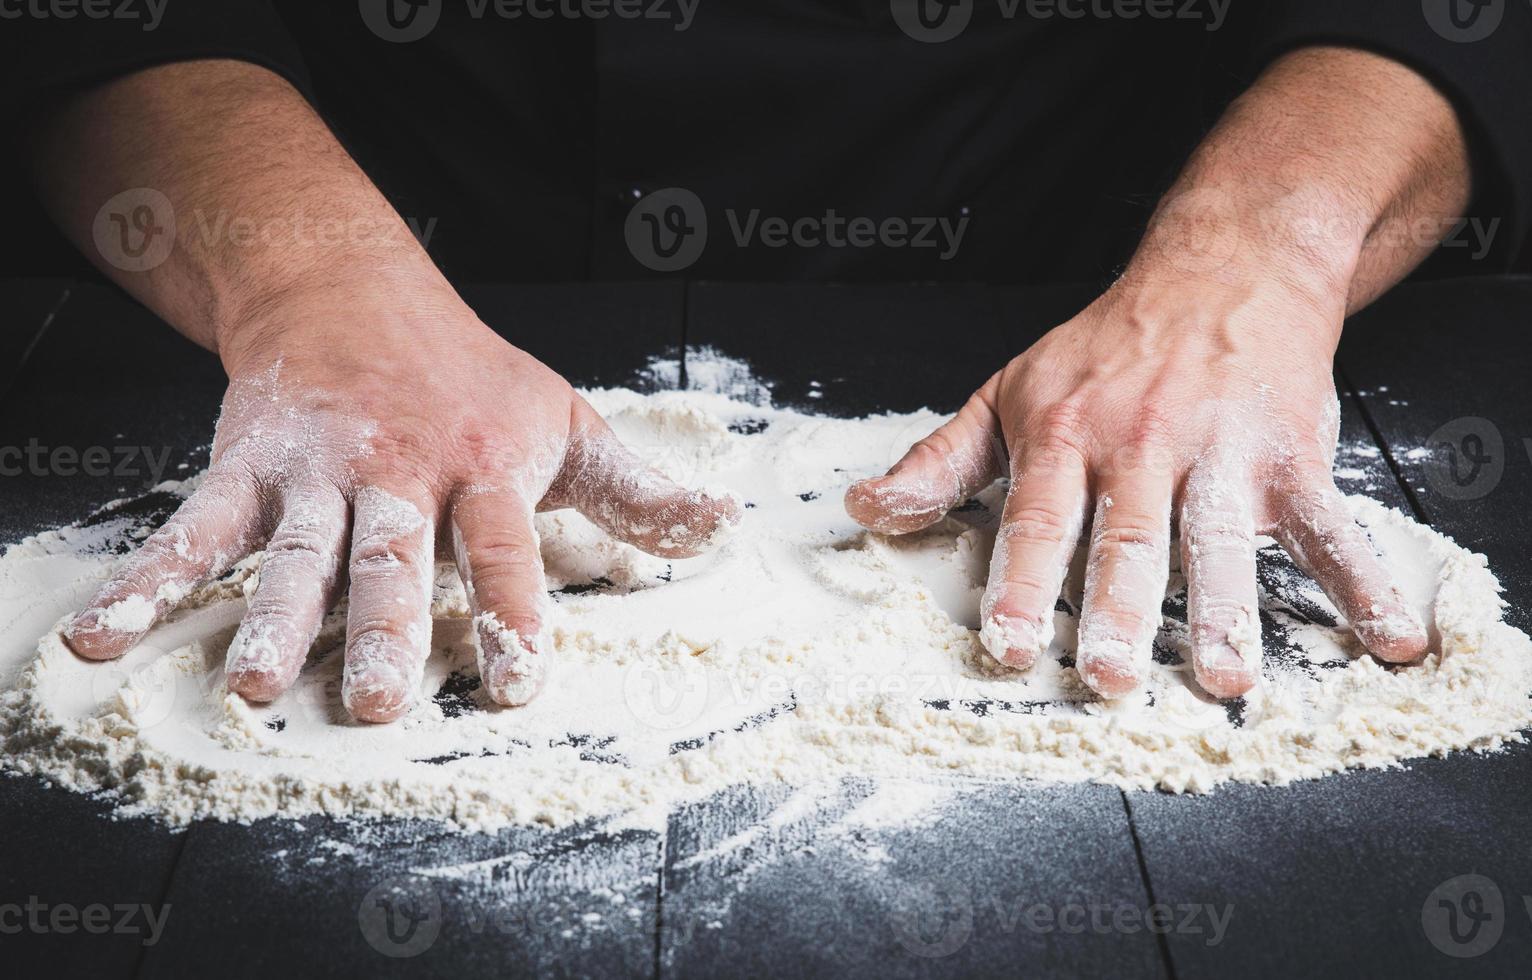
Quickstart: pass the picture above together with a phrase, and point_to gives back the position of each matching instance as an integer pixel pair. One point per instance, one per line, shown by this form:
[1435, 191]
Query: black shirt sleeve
[43, 55]
[1478, 53]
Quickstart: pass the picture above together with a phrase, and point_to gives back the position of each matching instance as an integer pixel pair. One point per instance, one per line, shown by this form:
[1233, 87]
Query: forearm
[264, 201]
[1338, 172]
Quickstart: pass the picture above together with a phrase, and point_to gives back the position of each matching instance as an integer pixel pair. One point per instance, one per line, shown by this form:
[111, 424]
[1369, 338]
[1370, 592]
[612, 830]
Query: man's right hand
[357, 439]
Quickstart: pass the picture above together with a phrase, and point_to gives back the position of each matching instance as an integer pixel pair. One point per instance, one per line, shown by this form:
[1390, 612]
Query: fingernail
[1223, 671]
[1015, 642]
[105, 633]
[1395, 636]
[376, 692]
[893, 507]
[1108, 667]
[512, 667]
[255, 667]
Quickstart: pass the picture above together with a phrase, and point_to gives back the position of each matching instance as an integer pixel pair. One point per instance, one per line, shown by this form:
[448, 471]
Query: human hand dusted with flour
[1197, 393]
[1155, 407]
[355, 443]
[371, 422]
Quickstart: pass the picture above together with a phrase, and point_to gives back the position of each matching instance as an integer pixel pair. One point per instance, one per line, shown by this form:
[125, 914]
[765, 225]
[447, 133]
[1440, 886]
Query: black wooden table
[1345, 874]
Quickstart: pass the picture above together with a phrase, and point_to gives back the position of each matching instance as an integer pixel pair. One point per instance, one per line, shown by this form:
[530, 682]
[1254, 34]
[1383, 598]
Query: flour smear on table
[803, 650]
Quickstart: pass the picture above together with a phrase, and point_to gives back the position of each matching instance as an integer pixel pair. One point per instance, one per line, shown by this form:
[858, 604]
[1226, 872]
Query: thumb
[939, 472]
[633, 502]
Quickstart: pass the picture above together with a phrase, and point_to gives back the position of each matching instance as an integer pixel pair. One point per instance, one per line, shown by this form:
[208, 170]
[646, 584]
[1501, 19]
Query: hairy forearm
[1338, 172]
[264, 201]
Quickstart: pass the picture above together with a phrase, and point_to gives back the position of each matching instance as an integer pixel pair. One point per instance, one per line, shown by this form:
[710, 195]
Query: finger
[939, 472]
[635, 503]
[1218, 556]
[300, 581]
[502, 570]
[1324, 540]
[388, 626]
[1039, 532]
[1125, 574]
[219, 524]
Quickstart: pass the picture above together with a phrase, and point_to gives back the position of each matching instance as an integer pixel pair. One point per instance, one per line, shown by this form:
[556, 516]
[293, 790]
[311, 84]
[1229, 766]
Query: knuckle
[1151, 428]
[1223, 535]
[299, 543]
[377, 634]
[1063, 431]
[175, 540]
[371, 554]
[1039, 522]
[504, 563]
[1024, 595]
[381, 557]
[934, 446]
[1130, 533]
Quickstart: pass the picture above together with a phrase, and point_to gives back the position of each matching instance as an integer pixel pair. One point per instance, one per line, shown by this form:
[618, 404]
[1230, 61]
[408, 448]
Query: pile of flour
[804, 649]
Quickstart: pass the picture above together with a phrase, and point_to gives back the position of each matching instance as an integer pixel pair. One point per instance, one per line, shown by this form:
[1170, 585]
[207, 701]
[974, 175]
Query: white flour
[803, 649]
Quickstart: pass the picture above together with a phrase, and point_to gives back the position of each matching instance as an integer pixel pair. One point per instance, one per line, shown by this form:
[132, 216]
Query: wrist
[1308, 240]
[307, 310]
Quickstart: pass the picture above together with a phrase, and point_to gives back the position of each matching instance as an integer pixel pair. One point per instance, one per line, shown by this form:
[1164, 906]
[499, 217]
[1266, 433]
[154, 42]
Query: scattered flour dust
[801, 651]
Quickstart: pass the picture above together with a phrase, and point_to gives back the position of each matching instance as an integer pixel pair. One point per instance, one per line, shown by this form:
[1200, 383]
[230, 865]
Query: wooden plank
[1210, 867]
[769, 881]
[1343, 875]
[848, 350]
[63, 857]
[1443, 370]
[318, 897]
[595, 334]
[894, 878]
[107, 375]
[26, 308]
